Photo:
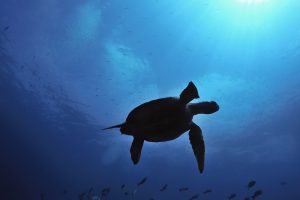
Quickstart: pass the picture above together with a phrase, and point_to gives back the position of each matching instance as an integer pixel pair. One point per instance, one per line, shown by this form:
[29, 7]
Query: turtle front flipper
[136, 149]
[189, 93]
[197, 142]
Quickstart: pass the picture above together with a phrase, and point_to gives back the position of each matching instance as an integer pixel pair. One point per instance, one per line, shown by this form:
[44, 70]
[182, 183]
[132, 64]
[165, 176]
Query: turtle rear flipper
[197, 142]
[189, 93]
[136, 149]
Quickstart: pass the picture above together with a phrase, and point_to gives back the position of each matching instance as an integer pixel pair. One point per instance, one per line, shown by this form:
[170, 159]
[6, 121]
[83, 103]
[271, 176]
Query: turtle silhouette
[166, 119]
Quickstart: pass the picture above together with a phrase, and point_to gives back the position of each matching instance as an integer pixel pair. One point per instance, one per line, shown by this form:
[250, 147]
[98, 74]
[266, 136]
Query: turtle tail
[115, 126]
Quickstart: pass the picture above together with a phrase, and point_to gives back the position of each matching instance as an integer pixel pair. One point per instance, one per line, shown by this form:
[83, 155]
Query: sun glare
[256, 2]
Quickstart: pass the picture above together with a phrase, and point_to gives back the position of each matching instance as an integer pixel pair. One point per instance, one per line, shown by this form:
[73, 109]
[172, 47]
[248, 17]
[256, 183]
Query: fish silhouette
[164, 188]
[232, 196]
[183, 189]
[251, 184]
[207, 191]
[142, 181]
[256, 194]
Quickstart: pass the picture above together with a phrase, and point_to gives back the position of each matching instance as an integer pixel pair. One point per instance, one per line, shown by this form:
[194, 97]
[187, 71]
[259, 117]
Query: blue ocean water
[70, 68]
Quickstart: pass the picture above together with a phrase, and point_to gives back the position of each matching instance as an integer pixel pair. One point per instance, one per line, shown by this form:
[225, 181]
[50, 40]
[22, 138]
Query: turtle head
[206, 107]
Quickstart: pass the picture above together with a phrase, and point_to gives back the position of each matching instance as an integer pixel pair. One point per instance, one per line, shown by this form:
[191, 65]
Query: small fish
[164, 188]
[246, 198]
[123, 186]
[142, 181]
[194, 197]
[232, 196]
[183, 189]
[251, 184]
[5, 28]
[257, 193]
[42, 196]
[207, 191]
[151, 199]
[283, 183]
[65, 191]
[126, 193]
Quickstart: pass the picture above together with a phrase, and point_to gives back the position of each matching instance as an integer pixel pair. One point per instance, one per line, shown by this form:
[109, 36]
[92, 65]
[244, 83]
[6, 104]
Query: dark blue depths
[70, 68]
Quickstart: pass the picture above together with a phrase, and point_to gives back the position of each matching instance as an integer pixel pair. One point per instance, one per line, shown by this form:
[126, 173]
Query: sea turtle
[166, 119]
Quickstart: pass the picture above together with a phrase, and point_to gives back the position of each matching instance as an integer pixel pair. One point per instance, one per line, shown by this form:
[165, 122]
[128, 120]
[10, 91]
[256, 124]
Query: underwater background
[70, 68]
